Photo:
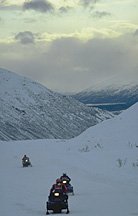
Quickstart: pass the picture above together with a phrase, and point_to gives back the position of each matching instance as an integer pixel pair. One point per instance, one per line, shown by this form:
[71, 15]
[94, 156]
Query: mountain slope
[30, 111]
[110, 98]
[104, 175]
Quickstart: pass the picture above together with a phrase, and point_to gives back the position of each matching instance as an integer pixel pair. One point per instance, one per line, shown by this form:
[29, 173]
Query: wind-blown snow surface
[29, 110]
[102, 163]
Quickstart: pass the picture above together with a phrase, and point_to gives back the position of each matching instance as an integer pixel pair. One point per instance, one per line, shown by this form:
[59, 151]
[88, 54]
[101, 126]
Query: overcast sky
[70, 45]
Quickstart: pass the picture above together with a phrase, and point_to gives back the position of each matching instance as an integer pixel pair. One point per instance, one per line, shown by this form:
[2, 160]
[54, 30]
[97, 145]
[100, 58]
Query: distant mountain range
[109, 98]
[29, 110]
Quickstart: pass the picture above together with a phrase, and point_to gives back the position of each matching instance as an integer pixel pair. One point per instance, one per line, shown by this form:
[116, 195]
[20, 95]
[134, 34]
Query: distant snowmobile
[57, 201]
[26, 161]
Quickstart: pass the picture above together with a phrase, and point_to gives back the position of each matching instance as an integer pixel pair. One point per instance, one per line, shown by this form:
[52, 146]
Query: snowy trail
[101, 187]
[97, 192]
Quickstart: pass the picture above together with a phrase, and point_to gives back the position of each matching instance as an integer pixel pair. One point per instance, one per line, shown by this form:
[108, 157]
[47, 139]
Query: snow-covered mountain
[110, 98]
[102, 163]
[29, 110]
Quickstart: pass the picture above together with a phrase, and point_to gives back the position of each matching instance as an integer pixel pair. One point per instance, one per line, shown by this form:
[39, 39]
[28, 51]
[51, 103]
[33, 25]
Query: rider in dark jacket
[59, 185]
[26, 159]
[65, 177]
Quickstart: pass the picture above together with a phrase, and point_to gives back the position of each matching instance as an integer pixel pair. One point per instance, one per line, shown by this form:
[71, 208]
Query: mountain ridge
[29, 110]
[110, 98]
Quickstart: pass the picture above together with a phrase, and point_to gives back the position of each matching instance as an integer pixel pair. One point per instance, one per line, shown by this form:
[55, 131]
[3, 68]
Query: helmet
[58, 181]
[64, 174]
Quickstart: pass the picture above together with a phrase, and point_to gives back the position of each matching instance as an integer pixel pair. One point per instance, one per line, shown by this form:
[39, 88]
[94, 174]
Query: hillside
[110, 98]
[102, 163]
[31, 111]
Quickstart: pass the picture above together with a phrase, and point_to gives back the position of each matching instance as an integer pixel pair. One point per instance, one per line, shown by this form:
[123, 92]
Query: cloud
[3, 1]
[64, 9]
[6, 5]
[87, 3]
[30, 20]
[25, 37]
[68, 64]
[101, 14]
[38, 5]
[136, 32]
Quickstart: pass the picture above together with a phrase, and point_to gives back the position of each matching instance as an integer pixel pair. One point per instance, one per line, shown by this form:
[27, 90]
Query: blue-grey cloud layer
[26, 37]
[87, 3]
[71, 65]
[100, 14]
[38, 5]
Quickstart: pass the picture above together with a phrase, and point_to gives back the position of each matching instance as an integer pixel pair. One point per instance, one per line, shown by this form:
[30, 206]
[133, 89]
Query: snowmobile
[26, 162]
[68, 186]
[57, 201]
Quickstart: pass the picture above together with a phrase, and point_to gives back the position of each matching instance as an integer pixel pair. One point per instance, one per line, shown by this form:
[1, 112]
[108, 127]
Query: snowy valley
[102, 163]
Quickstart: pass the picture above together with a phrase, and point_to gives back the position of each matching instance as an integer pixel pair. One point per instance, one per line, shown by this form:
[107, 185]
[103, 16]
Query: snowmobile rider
[65, 177]
[24, 159]
[59, 185]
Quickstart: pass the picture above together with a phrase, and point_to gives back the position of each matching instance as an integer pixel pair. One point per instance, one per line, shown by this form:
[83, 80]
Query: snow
[110, 97]
[31, 111]
[102, 163]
